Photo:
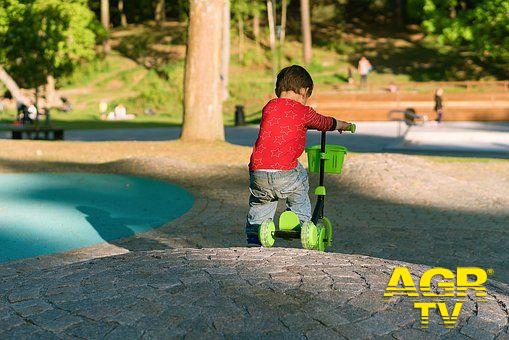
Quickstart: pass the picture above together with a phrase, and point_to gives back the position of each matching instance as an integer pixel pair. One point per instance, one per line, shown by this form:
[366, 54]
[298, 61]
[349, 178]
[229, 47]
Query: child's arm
[316, 121]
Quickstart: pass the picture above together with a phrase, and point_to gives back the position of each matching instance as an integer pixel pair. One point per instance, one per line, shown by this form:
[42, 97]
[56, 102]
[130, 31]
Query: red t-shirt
[282, 135]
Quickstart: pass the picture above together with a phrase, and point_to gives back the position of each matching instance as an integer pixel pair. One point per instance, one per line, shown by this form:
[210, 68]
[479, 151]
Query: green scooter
[317, 233]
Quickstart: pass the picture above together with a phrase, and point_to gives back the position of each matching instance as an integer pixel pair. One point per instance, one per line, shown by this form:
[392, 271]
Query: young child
[274, 170]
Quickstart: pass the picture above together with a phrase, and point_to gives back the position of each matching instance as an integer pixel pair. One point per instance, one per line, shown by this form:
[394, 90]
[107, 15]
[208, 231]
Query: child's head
[295, 79]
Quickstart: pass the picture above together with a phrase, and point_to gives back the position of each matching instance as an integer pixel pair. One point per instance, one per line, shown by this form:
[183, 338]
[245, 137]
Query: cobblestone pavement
[384, 208]
[233, 293]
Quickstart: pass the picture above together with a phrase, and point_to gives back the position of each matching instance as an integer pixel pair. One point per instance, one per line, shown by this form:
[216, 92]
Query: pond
[44, 213]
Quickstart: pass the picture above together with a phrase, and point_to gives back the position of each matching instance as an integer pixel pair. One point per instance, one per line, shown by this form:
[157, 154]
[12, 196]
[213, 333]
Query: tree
[160, 11]
[283, 25]
[256, 23]
[105, 20]
[282, 34]
[306, 31]
[225, 58]
[203, 119]
[482, 26]
[45, 39]
[11, 85]
[241, 8]
[5, 78]
[272, 33]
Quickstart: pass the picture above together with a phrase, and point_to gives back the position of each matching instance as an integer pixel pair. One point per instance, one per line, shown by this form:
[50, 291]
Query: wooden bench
[35, 132]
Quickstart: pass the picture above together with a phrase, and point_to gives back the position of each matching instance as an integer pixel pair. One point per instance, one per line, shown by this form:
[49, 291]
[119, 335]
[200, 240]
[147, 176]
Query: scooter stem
[320, 200]
[322, 160]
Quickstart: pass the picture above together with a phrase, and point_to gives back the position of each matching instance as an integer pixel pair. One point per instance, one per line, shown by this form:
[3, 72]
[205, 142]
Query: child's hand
[342, 126]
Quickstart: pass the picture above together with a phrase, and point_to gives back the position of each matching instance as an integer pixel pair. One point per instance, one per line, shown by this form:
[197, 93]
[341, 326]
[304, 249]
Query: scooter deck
[287, 234]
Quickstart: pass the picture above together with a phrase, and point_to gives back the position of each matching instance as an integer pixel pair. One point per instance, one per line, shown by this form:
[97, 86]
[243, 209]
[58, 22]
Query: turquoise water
[43, 213]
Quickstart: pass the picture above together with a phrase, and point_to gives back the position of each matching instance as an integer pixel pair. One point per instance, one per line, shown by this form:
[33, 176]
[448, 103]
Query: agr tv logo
[449, 287]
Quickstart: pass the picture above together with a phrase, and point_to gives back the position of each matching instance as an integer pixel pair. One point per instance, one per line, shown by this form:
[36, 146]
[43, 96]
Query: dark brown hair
[293, 78]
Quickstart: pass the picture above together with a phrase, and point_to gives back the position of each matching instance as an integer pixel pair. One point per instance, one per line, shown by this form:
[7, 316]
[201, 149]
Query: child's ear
[304, 92]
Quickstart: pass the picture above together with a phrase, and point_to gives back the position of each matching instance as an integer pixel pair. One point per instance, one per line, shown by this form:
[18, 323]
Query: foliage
[46, 37]
[480, 25]
[241, 8]
[159, 94]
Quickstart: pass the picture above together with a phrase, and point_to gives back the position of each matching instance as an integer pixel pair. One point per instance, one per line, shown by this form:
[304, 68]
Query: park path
[481, 139]
[193, 274]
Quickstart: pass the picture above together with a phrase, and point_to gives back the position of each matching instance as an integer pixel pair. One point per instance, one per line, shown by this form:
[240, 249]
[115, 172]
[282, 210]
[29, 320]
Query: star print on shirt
[265, 134]
[274, 121]
[257, 162]
[279, 140]
[261, 148]
[290, 114]
[290, 102]
[285, 130]
[276, 165]
[276, 153]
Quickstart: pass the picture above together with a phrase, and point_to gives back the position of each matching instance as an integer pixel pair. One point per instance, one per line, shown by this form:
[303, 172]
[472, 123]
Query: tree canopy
[45, 37]
[481, 25]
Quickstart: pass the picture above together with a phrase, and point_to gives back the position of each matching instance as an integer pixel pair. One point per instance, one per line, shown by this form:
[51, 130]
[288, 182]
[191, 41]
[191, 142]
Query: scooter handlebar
[351, 128]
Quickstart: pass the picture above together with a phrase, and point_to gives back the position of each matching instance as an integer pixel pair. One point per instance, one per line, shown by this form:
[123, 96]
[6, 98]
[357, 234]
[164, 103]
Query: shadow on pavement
[363, 223]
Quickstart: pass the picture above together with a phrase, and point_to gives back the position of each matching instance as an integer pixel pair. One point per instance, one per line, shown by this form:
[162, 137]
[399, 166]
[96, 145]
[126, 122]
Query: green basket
[334, 156]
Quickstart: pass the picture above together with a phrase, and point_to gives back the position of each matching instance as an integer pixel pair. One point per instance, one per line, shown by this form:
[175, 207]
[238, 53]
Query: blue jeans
[267, 188]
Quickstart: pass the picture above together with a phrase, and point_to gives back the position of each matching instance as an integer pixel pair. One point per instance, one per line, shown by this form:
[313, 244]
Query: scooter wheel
[328, 231]
[266, 233]
[309, 235]
[322, 242]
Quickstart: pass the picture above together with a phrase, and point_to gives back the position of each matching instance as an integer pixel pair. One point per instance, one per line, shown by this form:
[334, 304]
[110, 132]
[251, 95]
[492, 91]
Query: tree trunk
[203, 118]
[105, 20]
[306, 31]
[241, 38]
[225, 58]
[256, 27]
[123, 18]
[282, 34]
[283, 25]
[50, 93]
[160, 13]
[272, 34]
[13, 88]
[399, 12]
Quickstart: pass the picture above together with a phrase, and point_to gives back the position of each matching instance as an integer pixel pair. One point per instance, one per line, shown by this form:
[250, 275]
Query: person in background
[351, 81]
[120, 112]
[364, 68]
[439, 104]
[66, 105]
[33, 113]
[103, 107]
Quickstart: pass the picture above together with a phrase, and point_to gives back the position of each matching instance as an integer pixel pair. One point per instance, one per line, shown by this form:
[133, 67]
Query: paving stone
[31, 307]
[23, 331]
[11, 322]
[90, 329]
[379, 324]
[123, 332]
[300, 321]
[210, 286]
